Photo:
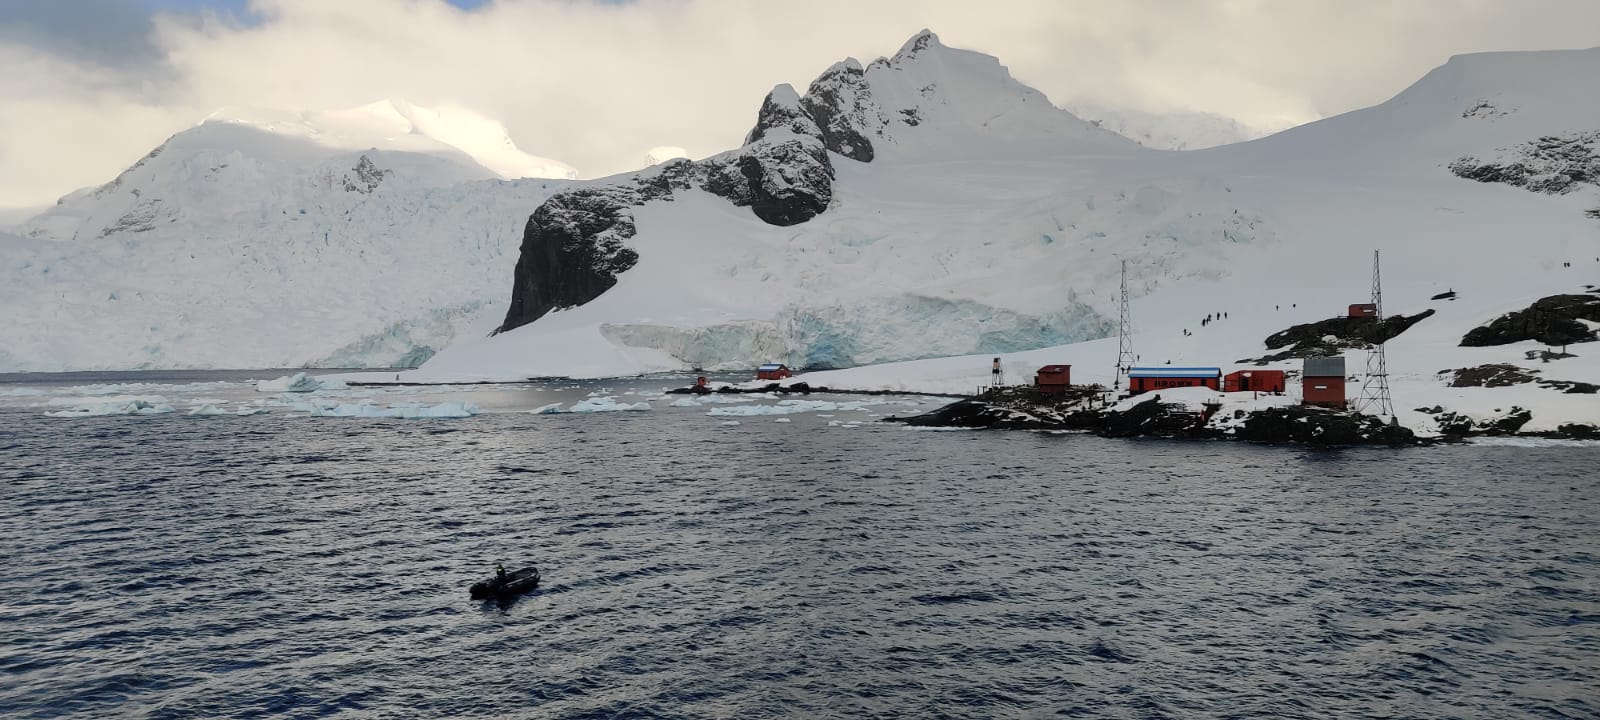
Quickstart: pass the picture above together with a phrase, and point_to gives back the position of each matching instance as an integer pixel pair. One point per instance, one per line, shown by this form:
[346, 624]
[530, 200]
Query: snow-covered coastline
[947, 214]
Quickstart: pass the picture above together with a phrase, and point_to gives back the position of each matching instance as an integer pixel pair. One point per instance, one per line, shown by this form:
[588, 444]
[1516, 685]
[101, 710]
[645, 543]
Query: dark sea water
[283, 566]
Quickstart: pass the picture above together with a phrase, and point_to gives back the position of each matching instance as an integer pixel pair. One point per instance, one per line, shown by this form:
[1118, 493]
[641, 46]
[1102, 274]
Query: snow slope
[998, 225]
[258, 244]
[395, 124]
[1171, 130]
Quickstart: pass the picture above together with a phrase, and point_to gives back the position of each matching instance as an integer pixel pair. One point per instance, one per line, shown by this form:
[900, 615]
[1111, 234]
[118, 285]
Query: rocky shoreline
[1084, 410]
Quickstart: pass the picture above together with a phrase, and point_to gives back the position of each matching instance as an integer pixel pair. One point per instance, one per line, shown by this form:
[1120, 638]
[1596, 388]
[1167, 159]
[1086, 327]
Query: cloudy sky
[91, 85]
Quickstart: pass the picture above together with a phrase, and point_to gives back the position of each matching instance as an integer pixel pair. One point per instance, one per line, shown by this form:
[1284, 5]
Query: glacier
[237, 245]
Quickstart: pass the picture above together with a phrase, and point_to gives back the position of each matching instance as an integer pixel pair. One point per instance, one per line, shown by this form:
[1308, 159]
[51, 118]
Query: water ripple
[273, 566]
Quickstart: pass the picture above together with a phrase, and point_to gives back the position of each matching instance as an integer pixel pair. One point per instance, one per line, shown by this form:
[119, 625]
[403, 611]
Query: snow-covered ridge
[395, 124]
[233, 246]
[966, 235]
[1172, 130]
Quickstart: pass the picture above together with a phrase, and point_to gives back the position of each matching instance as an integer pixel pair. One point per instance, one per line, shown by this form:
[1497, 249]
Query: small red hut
[1053, 379]
[1269, 381]
[1323, 382]
[773, 371]
[1364, 310]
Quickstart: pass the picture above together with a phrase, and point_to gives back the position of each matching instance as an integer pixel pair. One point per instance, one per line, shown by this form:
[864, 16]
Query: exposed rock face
[1313, 339]
[976, 414]
[1496, 375]
[784, 172]
[572, 251]
[1551, 164]
[574, 245]
[1153, 418]
[841, 104]
[1505, 375]
[1018, 409]
[367, 177]
[1456, 425]
[1319, 426]
[1553, 320]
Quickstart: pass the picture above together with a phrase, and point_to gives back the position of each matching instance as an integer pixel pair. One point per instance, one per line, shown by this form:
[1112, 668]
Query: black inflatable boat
[513, 583]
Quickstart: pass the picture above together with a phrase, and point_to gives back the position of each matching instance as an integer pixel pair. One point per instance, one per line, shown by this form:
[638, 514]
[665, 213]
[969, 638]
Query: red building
[1053, 379]
[1145, 379]
[773, 371]
[1322, 383]
[1269, 381]
[1364, 310]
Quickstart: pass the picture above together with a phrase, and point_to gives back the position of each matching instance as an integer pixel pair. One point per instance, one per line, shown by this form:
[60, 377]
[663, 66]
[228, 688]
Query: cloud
[591, 83]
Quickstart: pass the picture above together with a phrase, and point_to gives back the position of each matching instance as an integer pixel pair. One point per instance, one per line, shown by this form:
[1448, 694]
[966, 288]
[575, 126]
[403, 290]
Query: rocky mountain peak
[919, 42]
[781, 110]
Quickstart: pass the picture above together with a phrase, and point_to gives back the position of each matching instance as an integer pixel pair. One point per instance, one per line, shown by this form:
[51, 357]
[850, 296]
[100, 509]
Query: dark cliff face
[573, 247]
[838, 102]
[572, 251]
[1553, 320]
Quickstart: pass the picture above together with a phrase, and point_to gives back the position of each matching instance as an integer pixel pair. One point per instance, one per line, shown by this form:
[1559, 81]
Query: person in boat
[500, 573]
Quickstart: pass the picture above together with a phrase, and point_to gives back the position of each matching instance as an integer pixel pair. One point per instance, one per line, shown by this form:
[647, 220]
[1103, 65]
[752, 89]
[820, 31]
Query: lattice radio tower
[1124, 335]
[1375, 398]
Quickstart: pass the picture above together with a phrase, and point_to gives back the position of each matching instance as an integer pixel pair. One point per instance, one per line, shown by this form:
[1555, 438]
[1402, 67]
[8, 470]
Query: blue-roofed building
[1145, 379]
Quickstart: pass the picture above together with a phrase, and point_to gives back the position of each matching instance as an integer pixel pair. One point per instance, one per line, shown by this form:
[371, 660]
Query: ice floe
[104, 409]
[606, 403]
[298, 383]
[408, 412]
[209, 409]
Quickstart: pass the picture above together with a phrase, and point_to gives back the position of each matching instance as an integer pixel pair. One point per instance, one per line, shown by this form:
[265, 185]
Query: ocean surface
[283, 565]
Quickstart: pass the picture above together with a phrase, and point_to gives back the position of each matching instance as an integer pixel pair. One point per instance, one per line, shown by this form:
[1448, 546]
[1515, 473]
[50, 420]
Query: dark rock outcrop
[1505, 375]
[840, 102]
[1577, 431]
[1154, 418]
[1018, 408]
[1551, 164]
[1456, 425]
[572, 251]
[1552, 320]
[1320, 426]
[1312, 339]
[1494, 375]
[574, 245]
[975, 414]
[367, 177]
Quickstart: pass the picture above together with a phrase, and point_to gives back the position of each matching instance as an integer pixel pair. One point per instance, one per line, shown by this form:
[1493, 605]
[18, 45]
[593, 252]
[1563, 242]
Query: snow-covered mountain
[395, 124]
[1171, 130]
[929, 205]
[918, 206]
[363, 238]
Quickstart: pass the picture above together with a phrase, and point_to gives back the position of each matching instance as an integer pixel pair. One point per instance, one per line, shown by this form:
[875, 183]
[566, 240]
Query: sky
[92, 85]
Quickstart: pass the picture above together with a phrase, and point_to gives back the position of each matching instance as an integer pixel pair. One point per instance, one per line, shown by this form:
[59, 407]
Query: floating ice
[209, 409]
[606, 403]
[298, 382]
[716, 400]
[103, 409]
[408, 412]
[790, 407]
